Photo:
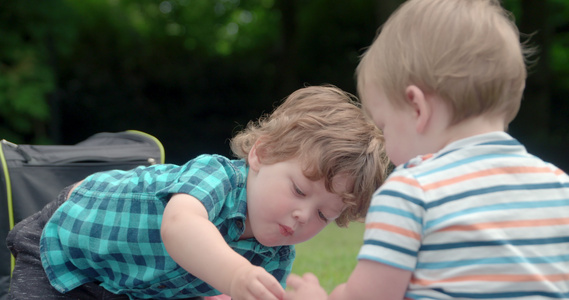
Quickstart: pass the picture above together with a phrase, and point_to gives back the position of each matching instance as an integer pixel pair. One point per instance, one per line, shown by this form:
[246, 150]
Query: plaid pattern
[109, 229]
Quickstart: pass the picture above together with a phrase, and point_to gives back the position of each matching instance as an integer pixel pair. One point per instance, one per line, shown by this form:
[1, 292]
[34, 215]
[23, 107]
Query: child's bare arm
[369, 280]
[305, 287]
[197, 246]
[373, 280]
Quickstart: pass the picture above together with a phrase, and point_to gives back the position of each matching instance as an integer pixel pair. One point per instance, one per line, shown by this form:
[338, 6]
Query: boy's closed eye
[323, 217]
[300, 193]
[297, 190]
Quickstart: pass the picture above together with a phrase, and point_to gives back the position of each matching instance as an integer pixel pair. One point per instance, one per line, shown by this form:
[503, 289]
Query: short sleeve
[394, 223]
[207, 178]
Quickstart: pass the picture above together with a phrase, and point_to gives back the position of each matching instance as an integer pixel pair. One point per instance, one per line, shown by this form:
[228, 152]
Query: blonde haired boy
[467, 213]
[213, 225]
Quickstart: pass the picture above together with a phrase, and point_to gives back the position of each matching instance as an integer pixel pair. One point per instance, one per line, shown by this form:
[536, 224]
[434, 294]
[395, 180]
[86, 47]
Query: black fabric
[37, 173]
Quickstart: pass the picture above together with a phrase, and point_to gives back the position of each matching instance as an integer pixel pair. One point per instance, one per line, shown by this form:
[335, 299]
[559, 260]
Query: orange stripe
[508, 224]
[394, 229]
[496, 278]
[405, 180]
[489, 172]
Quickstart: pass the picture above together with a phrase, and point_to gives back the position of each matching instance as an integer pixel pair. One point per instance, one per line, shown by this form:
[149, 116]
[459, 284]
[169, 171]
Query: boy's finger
[309, 277]
[293, 281]
[273, 286]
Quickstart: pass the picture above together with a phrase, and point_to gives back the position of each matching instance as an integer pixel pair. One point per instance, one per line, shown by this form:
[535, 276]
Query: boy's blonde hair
[326, 129]
[467, 52]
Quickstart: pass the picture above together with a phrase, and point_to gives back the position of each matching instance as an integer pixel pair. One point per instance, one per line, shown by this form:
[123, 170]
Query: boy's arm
[373, 280]
[369, 280]
[198, 247]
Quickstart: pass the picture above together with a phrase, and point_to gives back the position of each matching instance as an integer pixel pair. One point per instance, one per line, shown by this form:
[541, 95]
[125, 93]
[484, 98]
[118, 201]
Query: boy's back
[473, 215]
[468, 213]
[482, 210]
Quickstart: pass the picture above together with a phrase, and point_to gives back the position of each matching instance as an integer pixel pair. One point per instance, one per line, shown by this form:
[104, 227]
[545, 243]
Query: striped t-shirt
[480, 219]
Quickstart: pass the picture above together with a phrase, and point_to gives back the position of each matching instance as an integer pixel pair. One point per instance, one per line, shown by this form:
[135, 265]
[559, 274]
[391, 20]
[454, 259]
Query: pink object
[218, 297]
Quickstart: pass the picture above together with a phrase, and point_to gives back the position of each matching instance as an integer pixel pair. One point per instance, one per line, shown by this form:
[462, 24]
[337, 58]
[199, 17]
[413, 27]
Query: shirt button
[161, 286]
[239, 224]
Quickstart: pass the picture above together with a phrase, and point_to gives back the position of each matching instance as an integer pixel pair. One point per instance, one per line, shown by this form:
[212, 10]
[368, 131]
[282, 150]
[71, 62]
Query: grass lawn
[331, 255]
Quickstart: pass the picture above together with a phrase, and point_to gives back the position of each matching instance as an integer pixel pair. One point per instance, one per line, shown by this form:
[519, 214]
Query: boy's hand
[305, 287]
[254, 283]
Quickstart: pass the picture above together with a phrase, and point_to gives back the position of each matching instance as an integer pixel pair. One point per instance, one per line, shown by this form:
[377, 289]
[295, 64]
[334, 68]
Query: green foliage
[31, 32]
[324, 51]
[205, 27]
[75, 67]
[331, 255]
[559, 51]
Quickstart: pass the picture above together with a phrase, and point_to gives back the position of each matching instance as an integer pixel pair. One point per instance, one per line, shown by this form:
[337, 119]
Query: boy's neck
[467, 128]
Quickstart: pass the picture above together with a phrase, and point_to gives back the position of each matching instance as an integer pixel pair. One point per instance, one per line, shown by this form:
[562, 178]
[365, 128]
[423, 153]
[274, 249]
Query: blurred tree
[27, 76]
[385, 8]
[192, 72]
[324, 56]
[542, 121]
[201, 69]
[535, 112]
[559, 63]
[180, 69]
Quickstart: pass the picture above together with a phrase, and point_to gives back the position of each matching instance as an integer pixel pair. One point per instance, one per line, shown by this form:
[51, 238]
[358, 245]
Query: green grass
[330, 255]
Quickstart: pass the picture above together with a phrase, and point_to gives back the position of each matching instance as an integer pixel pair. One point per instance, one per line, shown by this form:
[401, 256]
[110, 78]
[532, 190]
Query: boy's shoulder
[217, 161]
[217, 158]
[473, 148]
[218, 166]
[494, 152]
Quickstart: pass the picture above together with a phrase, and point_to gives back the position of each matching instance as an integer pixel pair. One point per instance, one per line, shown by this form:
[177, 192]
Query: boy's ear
[253, 157]
[422, 108]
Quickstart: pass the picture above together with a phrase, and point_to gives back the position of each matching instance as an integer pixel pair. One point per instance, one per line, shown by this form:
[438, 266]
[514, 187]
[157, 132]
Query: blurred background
[193, 72]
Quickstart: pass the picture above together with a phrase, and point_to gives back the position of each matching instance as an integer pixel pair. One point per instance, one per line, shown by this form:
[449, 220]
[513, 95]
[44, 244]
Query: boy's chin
[271, 242]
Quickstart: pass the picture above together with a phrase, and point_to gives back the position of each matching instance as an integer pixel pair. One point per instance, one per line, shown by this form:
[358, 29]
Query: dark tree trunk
[534, 117]
[385, 8]
[286, 53]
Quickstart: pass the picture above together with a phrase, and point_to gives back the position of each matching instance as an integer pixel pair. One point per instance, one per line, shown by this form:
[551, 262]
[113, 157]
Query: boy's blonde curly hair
[326, 129]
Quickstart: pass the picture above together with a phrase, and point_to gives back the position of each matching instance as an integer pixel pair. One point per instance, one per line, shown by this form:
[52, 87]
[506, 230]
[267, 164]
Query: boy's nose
[301, 215]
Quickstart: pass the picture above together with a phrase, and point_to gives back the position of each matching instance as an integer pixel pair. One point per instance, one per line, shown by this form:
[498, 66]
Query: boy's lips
[285, 230]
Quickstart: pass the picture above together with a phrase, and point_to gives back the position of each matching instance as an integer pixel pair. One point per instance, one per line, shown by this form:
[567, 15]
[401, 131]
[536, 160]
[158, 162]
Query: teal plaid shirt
[108, 231]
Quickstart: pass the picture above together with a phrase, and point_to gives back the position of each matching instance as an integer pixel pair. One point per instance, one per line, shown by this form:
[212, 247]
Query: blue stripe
[464, 162]
[395, 211]
[446, 153]
[495, 189]
[387, 262]
[512, 142]
[392, 193]
[390, 246]
[504, 295]
[493, 261]
[500, 142]
[501, 206]
[519, 242]
[415, 296]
